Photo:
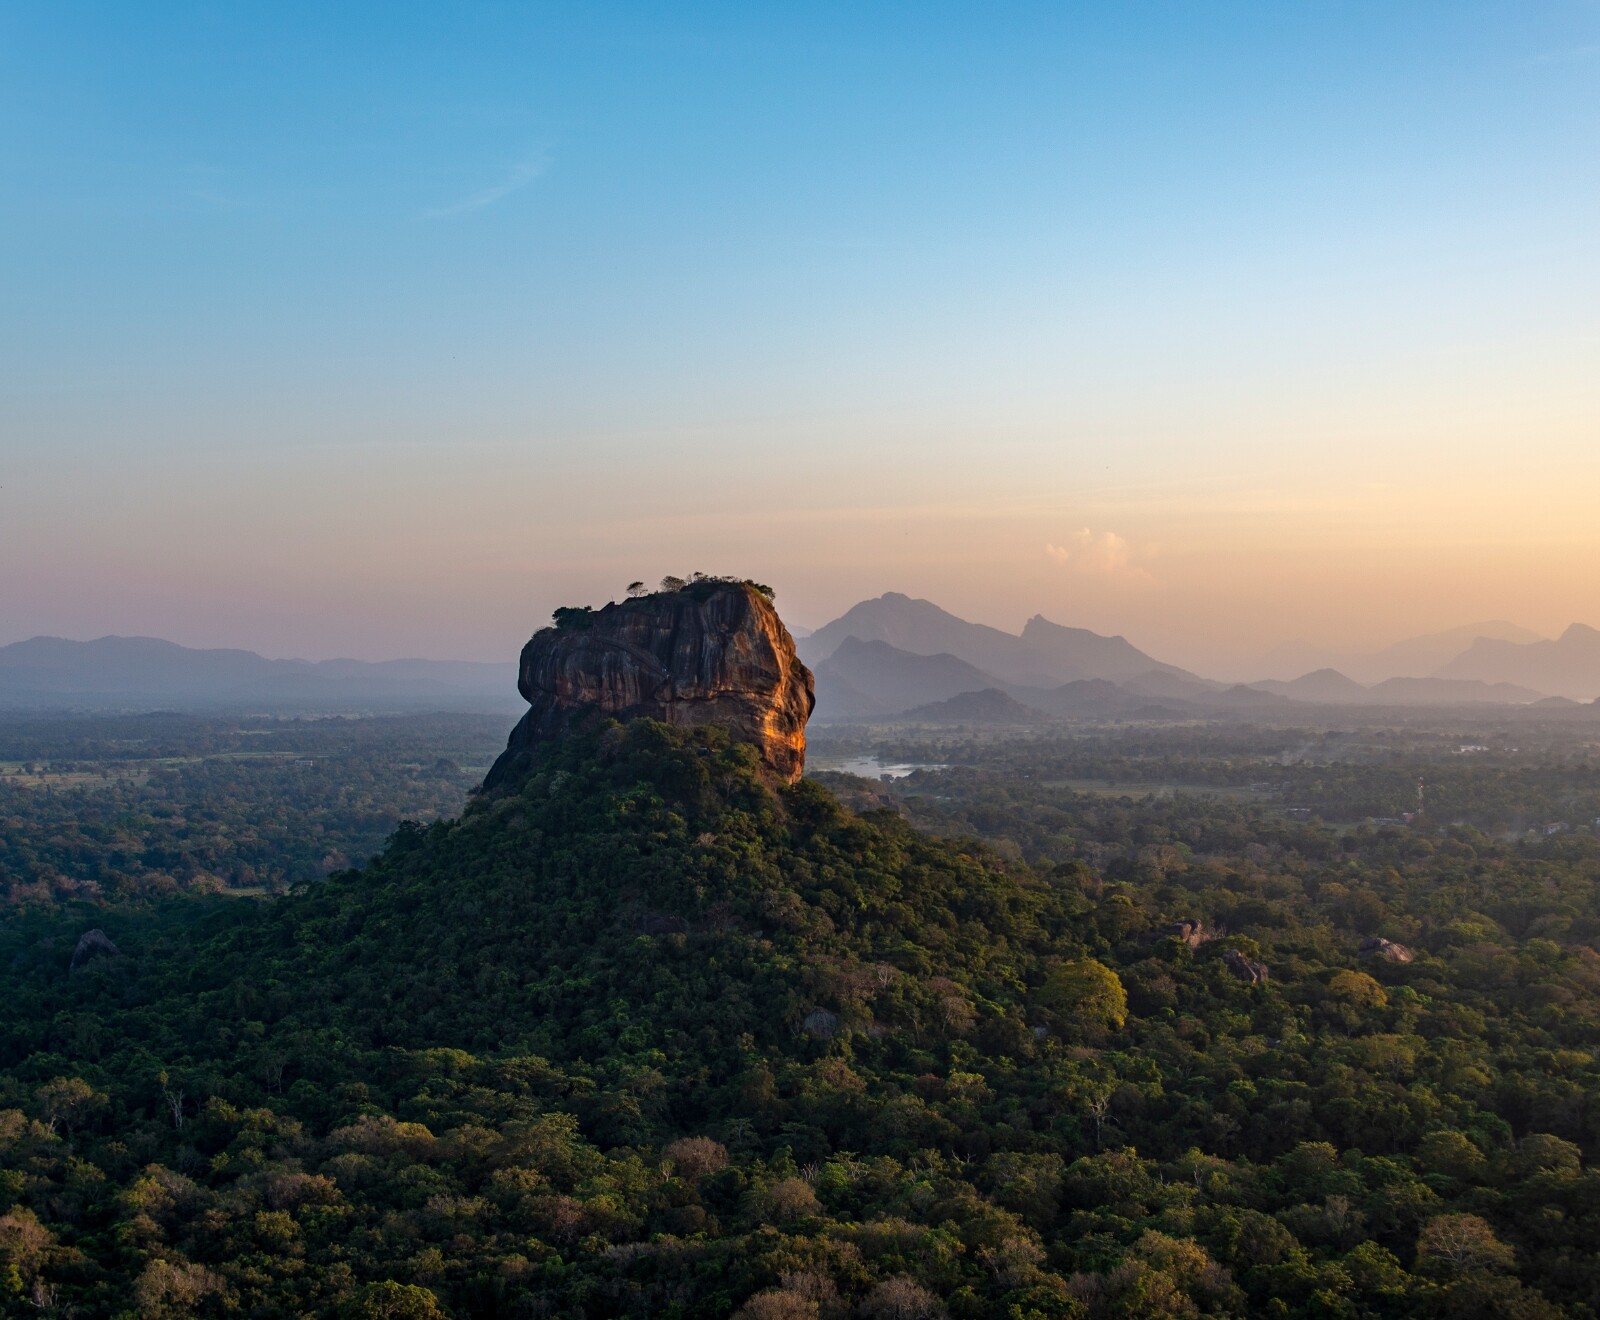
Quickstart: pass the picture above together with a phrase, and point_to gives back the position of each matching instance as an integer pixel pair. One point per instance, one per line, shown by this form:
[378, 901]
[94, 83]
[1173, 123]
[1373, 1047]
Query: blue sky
[418, 319]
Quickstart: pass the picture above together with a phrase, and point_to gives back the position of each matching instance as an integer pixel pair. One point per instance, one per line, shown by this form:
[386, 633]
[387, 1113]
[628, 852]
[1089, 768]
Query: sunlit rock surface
[713, 653]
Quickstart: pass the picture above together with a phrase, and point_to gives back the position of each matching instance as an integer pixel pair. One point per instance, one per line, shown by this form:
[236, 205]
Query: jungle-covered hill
[640, 1035]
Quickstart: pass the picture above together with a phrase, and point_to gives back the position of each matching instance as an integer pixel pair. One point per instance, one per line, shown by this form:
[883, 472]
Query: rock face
[1245, 968]
[713, 653]
[1193, 933]
[1378, 947]
[93, 944]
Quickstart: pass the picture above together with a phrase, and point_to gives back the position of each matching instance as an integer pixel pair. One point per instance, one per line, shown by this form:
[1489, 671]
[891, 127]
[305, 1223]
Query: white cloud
[519, 178]
[1102, 554]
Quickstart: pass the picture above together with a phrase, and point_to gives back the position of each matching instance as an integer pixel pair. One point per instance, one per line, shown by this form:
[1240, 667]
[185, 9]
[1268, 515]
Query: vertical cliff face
[713, 653]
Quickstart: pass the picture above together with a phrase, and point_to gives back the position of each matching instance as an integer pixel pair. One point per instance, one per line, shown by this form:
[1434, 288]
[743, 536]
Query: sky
[383, 329]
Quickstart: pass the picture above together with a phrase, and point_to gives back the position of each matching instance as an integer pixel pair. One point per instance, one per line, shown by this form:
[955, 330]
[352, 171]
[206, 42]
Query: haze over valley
[883, 657]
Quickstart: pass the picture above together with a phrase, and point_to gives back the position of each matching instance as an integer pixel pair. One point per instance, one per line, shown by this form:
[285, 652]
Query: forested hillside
[642, 1036]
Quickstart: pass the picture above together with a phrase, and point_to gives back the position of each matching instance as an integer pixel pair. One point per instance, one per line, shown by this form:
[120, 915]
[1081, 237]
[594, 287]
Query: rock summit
[712, 652]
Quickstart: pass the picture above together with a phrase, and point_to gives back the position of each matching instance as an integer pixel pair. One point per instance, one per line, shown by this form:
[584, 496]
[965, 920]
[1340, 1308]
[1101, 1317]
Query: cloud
[1103, 554]
[1566, 55]
[519, 178]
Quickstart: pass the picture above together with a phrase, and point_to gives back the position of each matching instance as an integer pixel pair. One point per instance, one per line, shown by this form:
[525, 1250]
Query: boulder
[1245, 968]
[1193, 933]
[91, 945]
[1378, 947]
[821, 1023]
[715, 652]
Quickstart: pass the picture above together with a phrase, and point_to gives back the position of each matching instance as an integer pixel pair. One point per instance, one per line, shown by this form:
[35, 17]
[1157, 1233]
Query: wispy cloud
[519, 178]
[1104, 555]
[1566, 55]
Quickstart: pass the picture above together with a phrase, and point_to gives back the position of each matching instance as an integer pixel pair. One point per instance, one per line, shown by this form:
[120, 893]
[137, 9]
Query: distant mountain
[1569, 666]
[891, 679]
[1448, 692]
[921, 628]
[1425, 654]
[888, 656]
[1076, 653]
[1328, 687]
[1044, 655]
[1169, 686]
[1088, 699]
[990, 706]
[839, 702]
[146, 672]
[1412, 656]
[1323, 686]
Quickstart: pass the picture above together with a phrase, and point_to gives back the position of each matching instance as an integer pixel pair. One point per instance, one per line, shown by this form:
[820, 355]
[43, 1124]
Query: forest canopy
[641, 1036]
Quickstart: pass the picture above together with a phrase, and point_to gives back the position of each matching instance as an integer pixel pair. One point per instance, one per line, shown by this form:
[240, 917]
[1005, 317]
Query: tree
[1450, 1153]
[173, 1288]
[635, 589]
[393, 1301]
[66, 1101]
[777, 1304]
[572, 616]
[1452, 1245]
[24, 1245]
[1086, 989]
[670, 583]
[1358, 989]
[901, 1298]
[696, 1156]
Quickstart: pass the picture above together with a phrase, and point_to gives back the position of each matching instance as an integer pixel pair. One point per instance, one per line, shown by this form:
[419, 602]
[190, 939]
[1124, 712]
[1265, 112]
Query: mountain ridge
[1044, 654]
[1564, 666]
[115, 671]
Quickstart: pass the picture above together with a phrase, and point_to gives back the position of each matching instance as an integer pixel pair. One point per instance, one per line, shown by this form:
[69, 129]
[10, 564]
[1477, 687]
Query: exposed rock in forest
[93, 944]
[1245, 968]
[821, 1023]
[1378, 947]
[1193, 932]
[715, 652]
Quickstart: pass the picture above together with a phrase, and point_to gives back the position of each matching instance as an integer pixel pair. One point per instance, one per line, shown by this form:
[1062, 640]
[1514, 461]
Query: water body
[870, 767]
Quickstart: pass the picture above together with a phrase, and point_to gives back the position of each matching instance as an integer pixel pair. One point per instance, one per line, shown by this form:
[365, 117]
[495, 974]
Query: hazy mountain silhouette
[1098, 699]
[896, 680]
[838, 701]
[1425, 654]
[1044, 655]
[1076, 653]
[1407, 658]
[885, 657]
[1569, 666]
[1328, 687]
[918, 627]
[135, 672]
[1448, 692]
[1325, 686]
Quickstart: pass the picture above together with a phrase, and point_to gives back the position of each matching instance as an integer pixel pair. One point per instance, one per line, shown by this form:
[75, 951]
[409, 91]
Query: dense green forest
[129, 807]
[644, 1037]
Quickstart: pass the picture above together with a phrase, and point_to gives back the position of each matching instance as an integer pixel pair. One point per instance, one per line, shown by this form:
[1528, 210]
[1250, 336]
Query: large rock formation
[93, 944]
[715, 652]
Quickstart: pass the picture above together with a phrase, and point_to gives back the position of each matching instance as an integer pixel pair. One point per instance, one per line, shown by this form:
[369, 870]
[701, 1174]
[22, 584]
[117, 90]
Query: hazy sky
[382, 329]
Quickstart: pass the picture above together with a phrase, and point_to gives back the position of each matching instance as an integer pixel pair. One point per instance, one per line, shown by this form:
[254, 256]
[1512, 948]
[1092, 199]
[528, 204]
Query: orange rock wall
[711, 654]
